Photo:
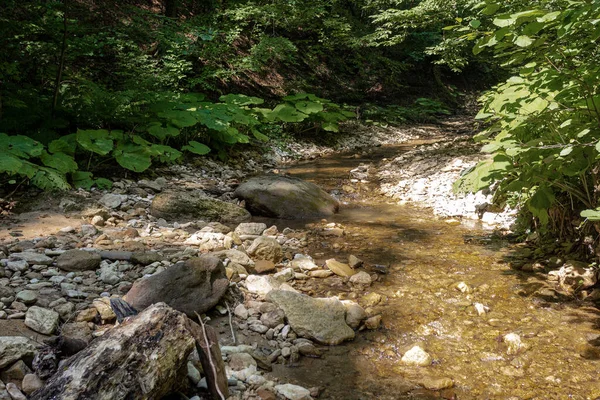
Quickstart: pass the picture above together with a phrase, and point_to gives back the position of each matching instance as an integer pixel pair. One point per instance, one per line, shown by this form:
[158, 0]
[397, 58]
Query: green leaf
[157, 130]
[20, 146]
[50, 179]
[66, 144]
[59, 161]
[309, 107]
[523, 41]
[97, 141]
[549, 17]
[10, 164]
[475, 23]
[330, 126]
[288, 113]
[133, 157]
[491, 9]
[165, 153]
[260, 136]
[592, 215]
[196, 148]
[103, 183]
[240, 99]
[179, 118]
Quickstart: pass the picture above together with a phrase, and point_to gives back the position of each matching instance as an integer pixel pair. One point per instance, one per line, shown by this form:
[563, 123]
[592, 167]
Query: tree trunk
[143, 358]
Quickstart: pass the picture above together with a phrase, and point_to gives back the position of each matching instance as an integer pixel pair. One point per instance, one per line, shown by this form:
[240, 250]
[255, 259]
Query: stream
[425, 259]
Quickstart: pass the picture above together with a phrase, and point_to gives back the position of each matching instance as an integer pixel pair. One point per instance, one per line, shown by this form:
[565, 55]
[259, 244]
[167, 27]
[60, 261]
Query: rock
[193, 373]
[355, 314]
[262, 266]
[261, 284]
[109, 274]
[235, 256]
[373, 322]
[293, 392]
[321, 273]
[273, 318]
[354, 262]
[361, 278]
[31, 383]
[14, 348]
[78, 260]
[304, 263]
[17, 266]
[266, 248]
[309, 350]
[320, 319]
[42, 320]
[250, 228]
[463, 287]
[32, 258]
[190, 287]
[88, 230]
[416, 356]
[3, 392]
[574, 276]
[193, 206]
[240, 361]
[339, 268]
[14, 392]
[284, 275]
[104, 309]
[432, 383]
[97, 220]
[15, 373]
[112, 201]
[513, 341]
[241, 311]
[76, 336]
[145, 257]
[28, 297]
[285, 197]
[371, 299]
[65, 310]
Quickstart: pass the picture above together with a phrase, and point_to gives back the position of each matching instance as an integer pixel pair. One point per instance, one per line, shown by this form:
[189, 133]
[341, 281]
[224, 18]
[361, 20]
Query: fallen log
[145, 357]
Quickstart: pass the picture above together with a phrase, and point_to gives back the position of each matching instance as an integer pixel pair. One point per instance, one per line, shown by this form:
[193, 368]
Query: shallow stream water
[426, 258]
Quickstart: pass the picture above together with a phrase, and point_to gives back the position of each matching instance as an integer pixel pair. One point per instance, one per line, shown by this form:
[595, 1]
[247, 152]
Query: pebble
[514, 343]
[42, 320]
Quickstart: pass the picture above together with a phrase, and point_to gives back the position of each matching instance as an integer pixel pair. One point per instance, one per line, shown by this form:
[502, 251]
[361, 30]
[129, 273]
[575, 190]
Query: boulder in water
[286, 197]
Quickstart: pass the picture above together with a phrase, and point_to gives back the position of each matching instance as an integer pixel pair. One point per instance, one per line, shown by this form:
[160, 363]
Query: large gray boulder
[322, 320]
[193, 286]
[14, 348]
[286, 197]
[180, 206]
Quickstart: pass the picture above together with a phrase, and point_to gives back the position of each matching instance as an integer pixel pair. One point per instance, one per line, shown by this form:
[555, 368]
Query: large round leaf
[97, 141]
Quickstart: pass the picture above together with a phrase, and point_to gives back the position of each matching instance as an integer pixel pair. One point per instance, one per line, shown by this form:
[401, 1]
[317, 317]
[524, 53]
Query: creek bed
[426, 258]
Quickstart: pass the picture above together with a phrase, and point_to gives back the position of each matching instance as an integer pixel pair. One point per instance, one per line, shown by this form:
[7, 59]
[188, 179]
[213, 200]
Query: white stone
[293, 392]
[481, 309]
[416, 356]
[514, 343]
[361, 278]
[261, 284]
[304, 263]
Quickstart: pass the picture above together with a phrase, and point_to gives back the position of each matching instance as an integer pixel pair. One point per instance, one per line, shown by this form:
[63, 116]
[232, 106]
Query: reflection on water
[426, 259]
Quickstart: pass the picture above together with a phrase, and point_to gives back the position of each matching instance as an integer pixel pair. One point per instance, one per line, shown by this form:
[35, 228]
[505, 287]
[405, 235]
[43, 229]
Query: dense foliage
[544, 121]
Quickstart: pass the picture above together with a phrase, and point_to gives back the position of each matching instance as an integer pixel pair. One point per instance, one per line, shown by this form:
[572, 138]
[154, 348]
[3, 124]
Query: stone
[241, 311]
[320, 273]
[145, 257]
[262, 266]
[109, 274]
[42, 320]
[17, 266]
[416, 356]
[293, 392]
[27, 297]
[76, 336]
[65, 310]
[181, 206]
[240, 361]
[285, 197]
[88, 230]
[261, 284]
[361, 278]
[14, 392]
[78, 260]
[194, 286]
[266, 394]
[355, 314]
[514, 343]
[104, 309]
[309, 350]
[354, 262]
[371, 299]
[373, 322]
[112, 201]
[321, 319]
[32, 258]
[31, 383]
[14, 348]
[266, 248]
[15, 373]
[304, 263]
[273, 318]
[285, 275]
[250, 228]
[433, 383]
[235, 256]
[97, 220]
[574, 276]
[87, 315]
[339, 268]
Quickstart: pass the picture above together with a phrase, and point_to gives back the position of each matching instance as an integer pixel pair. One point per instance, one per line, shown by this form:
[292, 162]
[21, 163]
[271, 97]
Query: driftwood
[145, 357]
